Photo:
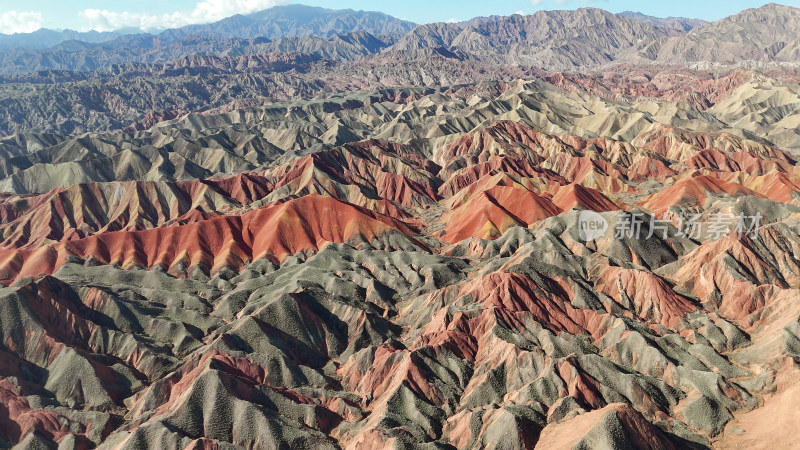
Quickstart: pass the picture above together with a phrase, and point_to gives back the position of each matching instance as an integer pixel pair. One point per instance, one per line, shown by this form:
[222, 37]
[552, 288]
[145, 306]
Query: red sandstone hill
[274, 231]
[489, 214]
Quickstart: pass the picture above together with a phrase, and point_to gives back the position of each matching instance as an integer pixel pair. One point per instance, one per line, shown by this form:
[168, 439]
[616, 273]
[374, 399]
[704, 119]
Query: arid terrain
[367, 234]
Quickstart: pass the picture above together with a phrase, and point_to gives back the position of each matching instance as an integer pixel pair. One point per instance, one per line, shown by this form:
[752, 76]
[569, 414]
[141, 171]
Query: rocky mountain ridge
[560, 40]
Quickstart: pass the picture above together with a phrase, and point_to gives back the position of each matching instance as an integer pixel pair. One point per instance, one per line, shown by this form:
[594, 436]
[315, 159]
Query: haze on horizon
[154, 16]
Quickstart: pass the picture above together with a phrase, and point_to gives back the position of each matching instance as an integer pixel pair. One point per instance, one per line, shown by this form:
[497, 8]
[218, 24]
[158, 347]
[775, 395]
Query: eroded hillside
[404, 268]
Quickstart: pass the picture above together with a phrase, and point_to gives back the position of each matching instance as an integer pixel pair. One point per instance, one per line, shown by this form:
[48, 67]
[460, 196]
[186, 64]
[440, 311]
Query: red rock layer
[275, 231]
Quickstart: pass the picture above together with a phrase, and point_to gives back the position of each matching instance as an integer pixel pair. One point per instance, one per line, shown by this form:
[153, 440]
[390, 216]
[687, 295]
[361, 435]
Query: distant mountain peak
[681, 24]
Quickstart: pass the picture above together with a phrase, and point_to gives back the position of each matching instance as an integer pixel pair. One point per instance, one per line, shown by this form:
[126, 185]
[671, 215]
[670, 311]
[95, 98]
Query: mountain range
[307, 228]
[273, 23]
[62, 93]
[561, 40]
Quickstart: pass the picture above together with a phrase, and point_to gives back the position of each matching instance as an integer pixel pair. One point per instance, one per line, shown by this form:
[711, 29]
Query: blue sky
[19, 16]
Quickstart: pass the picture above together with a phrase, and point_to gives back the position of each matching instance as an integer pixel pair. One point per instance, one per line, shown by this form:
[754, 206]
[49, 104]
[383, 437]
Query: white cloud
[204, 12]
[20, 22]
[451, 20]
